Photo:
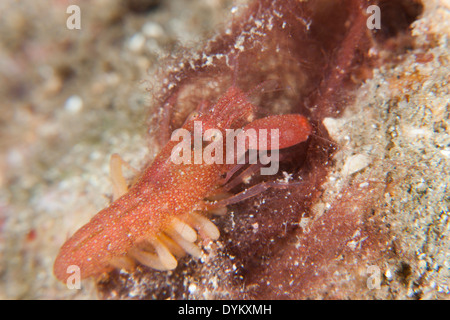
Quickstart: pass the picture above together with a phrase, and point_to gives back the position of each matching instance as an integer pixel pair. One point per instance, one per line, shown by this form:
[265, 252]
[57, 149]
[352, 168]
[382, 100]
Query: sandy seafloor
[71, 98]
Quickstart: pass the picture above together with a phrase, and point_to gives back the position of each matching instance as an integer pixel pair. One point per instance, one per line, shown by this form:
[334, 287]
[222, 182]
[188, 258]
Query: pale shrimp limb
[292, 128]
[167, 107]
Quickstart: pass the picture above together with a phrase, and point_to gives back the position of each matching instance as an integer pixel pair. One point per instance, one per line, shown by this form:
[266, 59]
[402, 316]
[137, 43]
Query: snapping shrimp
[158, 218]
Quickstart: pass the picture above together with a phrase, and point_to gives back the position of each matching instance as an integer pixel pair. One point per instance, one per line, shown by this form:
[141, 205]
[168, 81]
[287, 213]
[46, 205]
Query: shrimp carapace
[160, 216]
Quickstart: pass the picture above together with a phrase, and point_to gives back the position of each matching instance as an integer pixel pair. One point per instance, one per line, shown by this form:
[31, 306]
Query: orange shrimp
[158, 218]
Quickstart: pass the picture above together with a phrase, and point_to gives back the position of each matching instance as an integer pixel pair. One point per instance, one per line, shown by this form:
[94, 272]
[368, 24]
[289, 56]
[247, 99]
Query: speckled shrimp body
[158, 218]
